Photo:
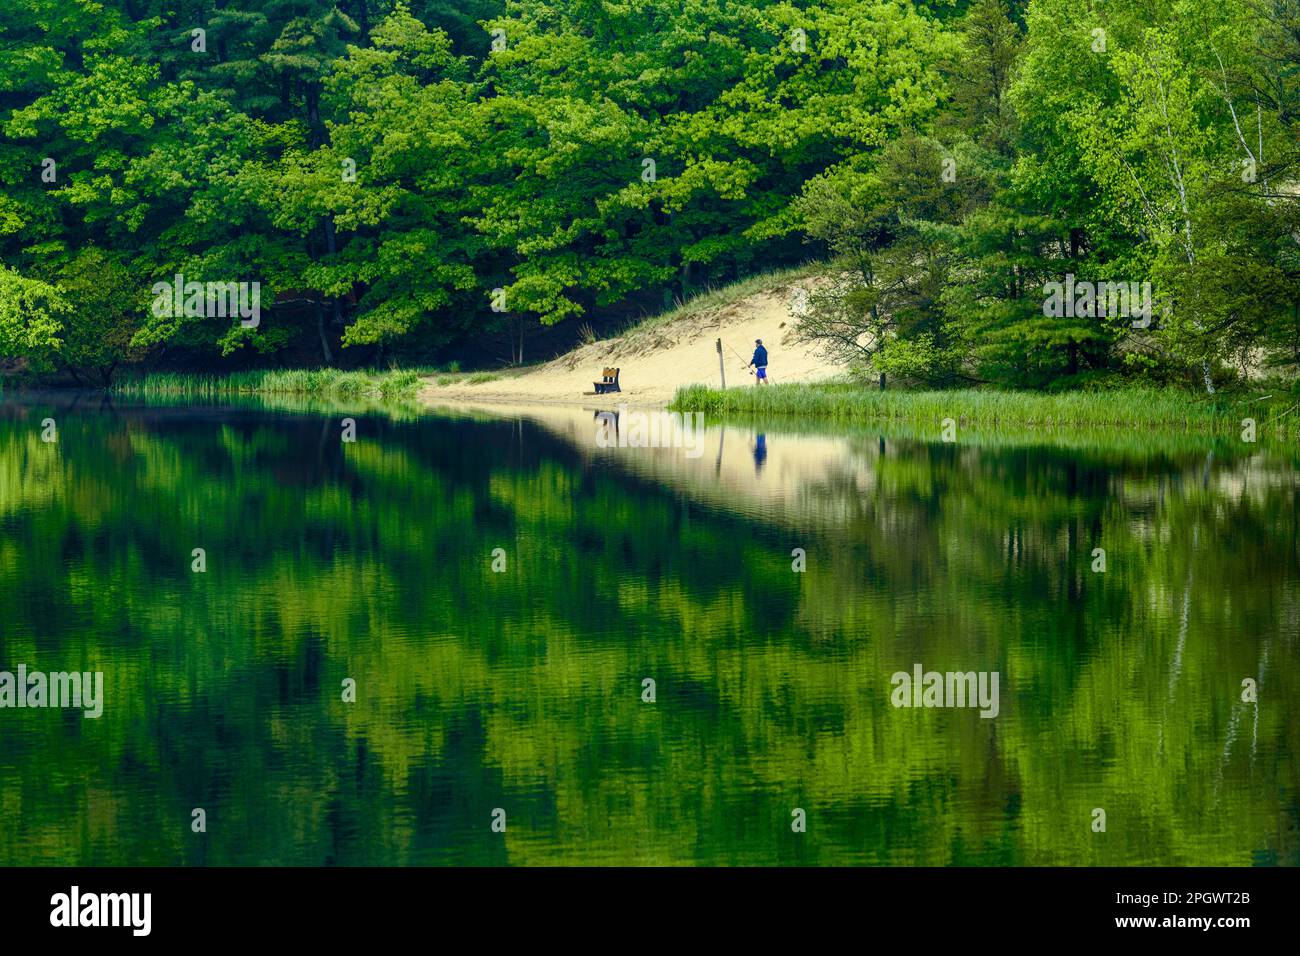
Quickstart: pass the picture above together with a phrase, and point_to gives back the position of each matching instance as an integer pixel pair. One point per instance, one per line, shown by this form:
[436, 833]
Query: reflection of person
[759, 361]
[760, 452]
[607, 430]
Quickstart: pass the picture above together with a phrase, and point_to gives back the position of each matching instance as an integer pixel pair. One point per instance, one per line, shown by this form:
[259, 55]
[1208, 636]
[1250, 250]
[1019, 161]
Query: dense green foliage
[403, 176]
[1135, 142]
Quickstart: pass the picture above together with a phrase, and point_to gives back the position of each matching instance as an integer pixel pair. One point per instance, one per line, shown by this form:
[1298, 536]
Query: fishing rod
[747, 365]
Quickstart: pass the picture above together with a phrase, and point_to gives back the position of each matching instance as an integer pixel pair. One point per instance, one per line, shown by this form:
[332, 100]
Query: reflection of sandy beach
[820, 479]
[737, 468]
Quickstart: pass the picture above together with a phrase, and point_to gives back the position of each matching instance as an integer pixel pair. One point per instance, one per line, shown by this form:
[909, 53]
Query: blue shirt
[760, 356]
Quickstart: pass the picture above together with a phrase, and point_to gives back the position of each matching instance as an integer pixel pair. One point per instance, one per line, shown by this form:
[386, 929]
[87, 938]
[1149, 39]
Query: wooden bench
[608, 382]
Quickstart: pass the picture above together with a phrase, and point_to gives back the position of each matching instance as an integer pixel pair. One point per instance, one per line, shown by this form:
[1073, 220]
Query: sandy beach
[657, 358]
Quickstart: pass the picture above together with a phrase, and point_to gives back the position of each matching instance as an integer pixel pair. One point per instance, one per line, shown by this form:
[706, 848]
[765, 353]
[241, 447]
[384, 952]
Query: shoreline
[435, 397]
[1241, 415]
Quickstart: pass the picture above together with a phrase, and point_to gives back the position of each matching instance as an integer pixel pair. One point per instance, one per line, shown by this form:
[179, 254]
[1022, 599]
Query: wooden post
[721, 370]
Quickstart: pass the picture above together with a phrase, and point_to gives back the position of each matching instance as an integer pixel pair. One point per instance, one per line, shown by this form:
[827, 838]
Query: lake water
[519, 694]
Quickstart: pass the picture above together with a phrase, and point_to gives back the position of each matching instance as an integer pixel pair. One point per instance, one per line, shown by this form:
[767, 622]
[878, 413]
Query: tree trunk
[320, 330]
[331, 246]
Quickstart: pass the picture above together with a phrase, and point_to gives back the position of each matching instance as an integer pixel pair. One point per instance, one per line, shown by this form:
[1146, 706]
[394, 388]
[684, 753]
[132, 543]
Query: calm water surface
[522, 689]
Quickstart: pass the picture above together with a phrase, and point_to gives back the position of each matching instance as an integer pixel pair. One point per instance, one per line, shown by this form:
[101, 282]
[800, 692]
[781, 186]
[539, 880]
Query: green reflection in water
[522, 690]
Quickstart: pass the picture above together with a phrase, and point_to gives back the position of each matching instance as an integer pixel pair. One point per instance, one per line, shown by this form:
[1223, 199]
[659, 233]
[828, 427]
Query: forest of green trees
[404, 178]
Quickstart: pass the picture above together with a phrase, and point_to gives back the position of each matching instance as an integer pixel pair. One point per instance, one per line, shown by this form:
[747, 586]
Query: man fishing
[759, 362]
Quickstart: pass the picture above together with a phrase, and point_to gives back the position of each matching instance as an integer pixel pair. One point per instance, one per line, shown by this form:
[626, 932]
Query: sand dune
[659, 356]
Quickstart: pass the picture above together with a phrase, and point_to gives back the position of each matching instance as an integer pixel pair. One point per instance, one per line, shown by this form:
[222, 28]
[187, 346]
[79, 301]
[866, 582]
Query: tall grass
[330, 382]
[1133, 407]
